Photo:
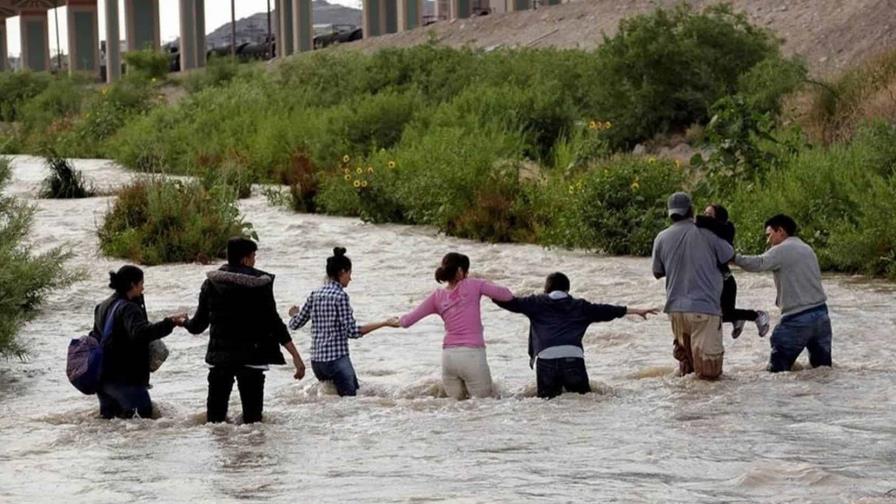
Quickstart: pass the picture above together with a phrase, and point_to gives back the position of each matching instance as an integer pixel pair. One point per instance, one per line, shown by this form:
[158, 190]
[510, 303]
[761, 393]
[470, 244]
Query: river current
[644, 435]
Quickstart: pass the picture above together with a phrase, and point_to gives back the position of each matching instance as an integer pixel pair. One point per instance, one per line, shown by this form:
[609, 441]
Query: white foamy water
[824, 435]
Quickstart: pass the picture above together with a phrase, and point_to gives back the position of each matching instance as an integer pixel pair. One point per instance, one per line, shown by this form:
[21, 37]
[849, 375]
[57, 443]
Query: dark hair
[338, 263]
[451, 263]
[125, 278]
[784, 222]
[721, 212]
[239, 248]
[556, 282]
[678, 218]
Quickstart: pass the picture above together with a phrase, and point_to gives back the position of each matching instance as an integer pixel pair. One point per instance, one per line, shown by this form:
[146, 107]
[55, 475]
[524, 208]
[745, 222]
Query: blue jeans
[810, 329]
[120, 400]
[340, 372]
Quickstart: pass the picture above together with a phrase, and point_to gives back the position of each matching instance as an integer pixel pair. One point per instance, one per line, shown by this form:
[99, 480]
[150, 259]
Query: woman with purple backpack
[124, 382]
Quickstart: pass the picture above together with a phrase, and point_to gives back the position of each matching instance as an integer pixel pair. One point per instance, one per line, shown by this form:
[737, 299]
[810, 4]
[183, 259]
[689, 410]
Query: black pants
[729, 300]
[250, 383]
[554, 375]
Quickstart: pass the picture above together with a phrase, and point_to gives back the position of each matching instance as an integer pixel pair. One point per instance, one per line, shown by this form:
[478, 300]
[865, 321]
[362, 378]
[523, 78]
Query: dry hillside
[830, 34]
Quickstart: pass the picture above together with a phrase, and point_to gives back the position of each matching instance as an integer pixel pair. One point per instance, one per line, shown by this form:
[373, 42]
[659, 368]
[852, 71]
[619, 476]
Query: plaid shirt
[332, 322]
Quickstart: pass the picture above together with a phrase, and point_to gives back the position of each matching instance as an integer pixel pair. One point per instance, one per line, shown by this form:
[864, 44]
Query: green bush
[218, 72]
[64, 181]
[147, 64]
[841, 198]
[663, 71]
[616, 207]
[157, 221]
[25, 278]
[16, 88]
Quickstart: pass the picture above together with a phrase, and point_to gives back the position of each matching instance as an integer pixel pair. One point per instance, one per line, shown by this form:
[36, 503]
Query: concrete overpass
[142, 20]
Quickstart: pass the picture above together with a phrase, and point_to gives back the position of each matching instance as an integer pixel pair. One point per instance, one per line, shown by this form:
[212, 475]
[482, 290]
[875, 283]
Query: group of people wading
[237, 303]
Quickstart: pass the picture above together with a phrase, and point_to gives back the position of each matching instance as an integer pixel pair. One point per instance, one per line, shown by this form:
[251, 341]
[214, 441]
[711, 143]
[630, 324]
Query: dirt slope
[830, 34]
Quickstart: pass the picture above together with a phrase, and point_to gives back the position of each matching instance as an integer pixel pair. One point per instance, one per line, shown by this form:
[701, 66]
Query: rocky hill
[255, 27]
[829, 34]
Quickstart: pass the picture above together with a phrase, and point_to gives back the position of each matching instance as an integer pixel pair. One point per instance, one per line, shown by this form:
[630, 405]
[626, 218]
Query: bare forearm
[291, 348]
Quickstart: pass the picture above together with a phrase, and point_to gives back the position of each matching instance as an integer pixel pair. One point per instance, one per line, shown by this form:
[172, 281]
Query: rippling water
[823, 435]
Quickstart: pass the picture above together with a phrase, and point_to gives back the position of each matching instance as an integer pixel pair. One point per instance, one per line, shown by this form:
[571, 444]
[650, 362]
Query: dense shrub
[147, 64]
[616, 206]
[663, 71]
[156, 221]
[219, 71]
[25, 277]
[16, 88]
[840, 196]
[64, 181]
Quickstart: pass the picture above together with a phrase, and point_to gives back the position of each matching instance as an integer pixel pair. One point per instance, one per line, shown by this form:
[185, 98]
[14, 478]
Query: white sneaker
[738, 328]
[762, 323]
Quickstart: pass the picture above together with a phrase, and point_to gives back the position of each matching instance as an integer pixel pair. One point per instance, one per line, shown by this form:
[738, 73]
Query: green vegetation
[156, 220]
[25, 277]
[64, 182]
[514, 145]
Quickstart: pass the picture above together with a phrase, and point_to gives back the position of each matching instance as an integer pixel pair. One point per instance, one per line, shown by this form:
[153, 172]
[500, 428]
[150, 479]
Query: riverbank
[816, 435]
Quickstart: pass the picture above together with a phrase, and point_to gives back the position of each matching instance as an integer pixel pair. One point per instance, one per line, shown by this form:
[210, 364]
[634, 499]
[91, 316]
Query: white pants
[465, 373]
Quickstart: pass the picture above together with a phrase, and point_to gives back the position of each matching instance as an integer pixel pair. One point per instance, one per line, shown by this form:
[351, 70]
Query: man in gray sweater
[804, 313]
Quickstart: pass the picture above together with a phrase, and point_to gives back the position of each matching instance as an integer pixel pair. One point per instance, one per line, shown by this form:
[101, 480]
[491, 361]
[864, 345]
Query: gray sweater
[797, 275]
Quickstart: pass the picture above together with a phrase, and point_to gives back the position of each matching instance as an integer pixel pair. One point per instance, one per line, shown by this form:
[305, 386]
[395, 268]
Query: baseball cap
[679, 204]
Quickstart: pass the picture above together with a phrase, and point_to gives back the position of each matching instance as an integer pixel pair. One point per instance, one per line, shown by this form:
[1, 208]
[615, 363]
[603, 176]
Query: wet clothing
[688, 257]
[126, 354]
[250, 383]
[810, 330]
[121, 400]
[559, 320]
[238, 303]
[465, 372]
[553, 376]
[341, 372]
[332, 322]
[698, 343]
[459, 309]
[796, 271]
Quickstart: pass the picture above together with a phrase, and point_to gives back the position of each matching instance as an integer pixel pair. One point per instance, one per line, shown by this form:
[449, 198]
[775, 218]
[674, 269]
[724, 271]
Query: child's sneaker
[738, 328]
[762, 323]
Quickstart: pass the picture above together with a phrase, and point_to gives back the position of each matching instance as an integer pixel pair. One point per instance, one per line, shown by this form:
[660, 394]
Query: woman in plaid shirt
[332, 324]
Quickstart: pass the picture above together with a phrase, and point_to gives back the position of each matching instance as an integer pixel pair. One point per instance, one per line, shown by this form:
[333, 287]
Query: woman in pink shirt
[465, 369]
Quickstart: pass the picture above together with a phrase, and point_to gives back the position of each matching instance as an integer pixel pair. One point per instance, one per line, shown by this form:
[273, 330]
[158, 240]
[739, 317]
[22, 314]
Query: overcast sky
[217, 12]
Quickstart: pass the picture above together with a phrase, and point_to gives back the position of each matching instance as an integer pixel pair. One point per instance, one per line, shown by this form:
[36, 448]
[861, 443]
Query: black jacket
[126, 354]
[238, 303]
[555, 322]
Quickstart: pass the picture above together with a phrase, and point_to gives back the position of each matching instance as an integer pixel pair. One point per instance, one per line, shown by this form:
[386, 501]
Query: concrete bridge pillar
[83, 37]
[113, 42]
[142, 24]
[192, 34]
[410, 14]
[461, 9]
[4, 50]
[285, 32]
[35, 38]
[302, 22]
[379, 17]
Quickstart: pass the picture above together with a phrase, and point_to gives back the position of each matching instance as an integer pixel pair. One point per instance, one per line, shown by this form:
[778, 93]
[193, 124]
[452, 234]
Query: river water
[645, 435]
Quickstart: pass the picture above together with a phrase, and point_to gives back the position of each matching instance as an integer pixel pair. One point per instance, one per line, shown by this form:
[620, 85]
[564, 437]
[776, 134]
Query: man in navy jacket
[558, 324]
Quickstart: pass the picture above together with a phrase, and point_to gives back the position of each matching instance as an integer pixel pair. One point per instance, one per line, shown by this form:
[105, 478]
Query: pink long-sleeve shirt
[459, 309]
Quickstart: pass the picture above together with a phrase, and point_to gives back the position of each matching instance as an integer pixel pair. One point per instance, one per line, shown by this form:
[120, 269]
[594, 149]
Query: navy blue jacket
[556, 322]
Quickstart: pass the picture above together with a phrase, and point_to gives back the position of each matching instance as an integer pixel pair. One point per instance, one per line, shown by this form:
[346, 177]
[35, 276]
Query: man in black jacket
[558, 324]
[238, 301]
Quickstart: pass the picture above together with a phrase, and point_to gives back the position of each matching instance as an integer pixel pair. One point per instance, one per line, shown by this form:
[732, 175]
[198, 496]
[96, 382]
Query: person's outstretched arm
[200, 320]
[494, 291]
[604, 312]
[301, 317]
[426, 308]
[769, 261]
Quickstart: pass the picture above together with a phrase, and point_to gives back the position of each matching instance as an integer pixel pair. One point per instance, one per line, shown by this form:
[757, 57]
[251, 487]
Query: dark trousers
[119, 400]
[340, 372]
[554, 375]
[729, 301]
[810, 330]
[250, 383]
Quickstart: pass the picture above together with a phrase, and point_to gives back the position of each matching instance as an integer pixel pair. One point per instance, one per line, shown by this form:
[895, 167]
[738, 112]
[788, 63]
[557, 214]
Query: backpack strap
[110, 322]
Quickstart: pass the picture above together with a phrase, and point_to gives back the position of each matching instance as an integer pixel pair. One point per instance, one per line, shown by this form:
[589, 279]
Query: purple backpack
[84, 365]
